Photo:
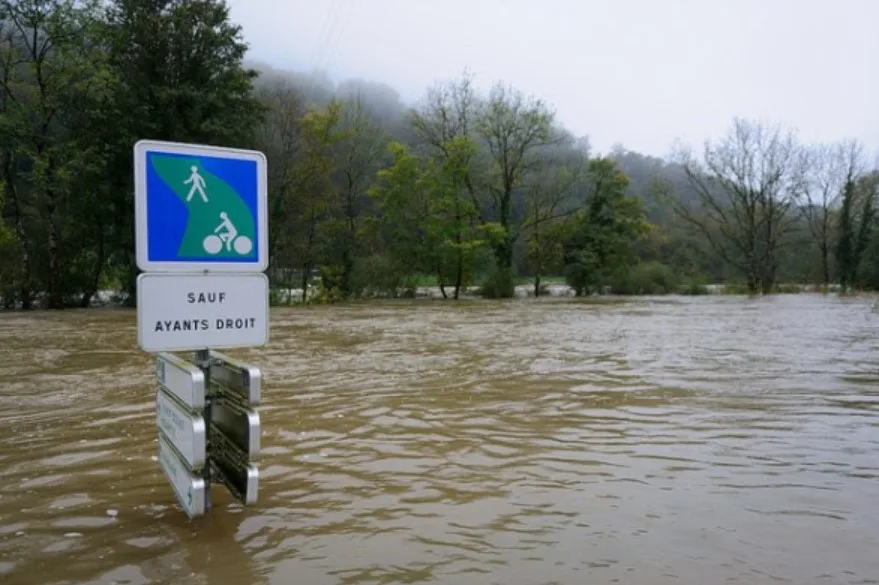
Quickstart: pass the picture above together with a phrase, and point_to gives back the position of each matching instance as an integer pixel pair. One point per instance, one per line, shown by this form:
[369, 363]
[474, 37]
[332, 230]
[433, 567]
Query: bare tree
[280, 137]
[549, 191]
[358, 157]
[449, 111]
[745, 186]
[824, 170]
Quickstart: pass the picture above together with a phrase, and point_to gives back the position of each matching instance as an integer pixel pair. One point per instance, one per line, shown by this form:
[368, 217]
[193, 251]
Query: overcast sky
[637, 72]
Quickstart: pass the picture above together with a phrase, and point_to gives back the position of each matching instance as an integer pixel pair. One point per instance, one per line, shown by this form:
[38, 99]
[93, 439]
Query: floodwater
[642, 442]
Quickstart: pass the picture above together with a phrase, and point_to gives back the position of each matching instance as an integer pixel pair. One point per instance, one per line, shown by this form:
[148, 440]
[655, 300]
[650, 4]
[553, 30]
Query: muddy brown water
[644, 441]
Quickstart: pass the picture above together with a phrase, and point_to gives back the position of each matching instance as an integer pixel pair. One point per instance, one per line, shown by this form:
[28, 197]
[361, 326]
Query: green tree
[856, 220]
[54, 82]
[180, 78]
[402, 199]
[602, 235]
[457, 236]
[314, 198]
[513, 128]
[359, 152]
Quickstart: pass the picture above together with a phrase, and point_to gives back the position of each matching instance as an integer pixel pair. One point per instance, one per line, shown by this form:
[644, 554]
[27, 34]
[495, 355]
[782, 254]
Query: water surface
[645, 441]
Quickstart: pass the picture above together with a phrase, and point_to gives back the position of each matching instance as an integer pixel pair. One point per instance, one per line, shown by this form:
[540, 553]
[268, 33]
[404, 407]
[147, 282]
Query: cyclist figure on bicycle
[230, 234]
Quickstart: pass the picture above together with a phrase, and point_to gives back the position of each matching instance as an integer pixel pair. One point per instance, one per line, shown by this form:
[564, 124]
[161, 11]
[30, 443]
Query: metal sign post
[201, 217]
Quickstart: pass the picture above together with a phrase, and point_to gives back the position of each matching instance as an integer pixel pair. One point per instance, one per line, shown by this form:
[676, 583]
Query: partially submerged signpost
[202, 244]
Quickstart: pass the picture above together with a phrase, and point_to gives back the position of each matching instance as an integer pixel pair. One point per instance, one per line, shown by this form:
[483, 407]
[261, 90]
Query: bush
[693, 286]
[378, 276]
[647, 278]
[499, 284]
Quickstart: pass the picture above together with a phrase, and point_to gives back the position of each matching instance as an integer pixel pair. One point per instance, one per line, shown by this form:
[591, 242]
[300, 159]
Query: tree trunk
[306, 274]
[753, 289]
[97, 270]
[537, 285]
[825, 266]
[459, 270]
[53, 285]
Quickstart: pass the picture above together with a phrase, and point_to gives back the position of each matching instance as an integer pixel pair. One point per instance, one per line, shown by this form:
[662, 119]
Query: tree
[401, 195]
[280, 137]
[445, 123]
[53, 82]
[856, 222]
[180, 78]
[823, 174]
[314, 194]
[601, 237]
[425, 220]
[550, 190]
[453, 225]
[745, 192]
[358, 153]
[513, 129]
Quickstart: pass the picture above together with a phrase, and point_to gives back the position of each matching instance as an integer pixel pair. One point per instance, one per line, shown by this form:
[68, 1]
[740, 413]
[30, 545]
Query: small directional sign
[200, 207]
[189, 488]
[239, 426]
[182, 379]
[184, 430]
[241, 480]
[234, 379]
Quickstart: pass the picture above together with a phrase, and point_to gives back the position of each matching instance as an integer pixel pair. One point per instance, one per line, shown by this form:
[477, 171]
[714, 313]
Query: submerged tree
[601, 237]
[745, 189]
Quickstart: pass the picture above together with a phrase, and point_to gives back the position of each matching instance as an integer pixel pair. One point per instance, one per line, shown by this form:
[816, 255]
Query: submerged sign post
[201, 219]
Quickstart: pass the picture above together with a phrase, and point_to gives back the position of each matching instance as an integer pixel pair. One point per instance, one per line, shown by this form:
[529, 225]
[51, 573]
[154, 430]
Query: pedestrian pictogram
[198, 185]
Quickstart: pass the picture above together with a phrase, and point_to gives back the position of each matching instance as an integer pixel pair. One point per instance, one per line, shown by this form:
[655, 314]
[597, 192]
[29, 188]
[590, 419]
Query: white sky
[636, 72]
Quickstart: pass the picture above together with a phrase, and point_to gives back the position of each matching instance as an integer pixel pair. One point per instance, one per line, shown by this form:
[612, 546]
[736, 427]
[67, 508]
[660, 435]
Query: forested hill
[384, 103]
[374, 196]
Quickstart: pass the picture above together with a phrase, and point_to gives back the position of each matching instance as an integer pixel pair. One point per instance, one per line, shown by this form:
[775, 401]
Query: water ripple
[648, 441]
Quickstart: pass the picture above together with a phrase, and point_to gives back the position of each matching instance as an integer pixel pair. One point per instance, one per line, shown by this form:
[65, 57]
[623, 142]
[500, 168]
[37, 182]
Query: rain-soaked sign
[201, 239]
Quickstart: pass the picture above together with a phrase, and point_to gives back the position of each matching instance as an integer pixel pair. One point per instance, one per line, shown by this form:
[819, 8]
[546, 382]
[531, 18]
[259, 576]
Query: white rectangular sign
[184, 430]
[182, 379]
[189, 488]
[180, 312]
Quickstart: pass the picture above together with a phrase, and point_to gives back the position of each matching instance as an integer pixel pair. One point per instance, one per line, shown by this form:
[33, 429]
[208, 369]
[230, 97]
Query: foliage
[369, 198]
[600, 243]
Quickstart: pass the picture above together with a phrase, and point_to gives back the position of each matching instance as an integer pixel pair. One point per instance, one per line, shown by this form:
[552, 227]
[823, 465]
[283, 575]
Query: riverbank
[555, 289]
[111, 298]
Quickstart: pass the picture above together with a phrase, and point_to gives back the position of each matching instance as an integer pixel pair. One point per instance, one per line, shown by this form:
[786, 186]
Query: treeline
[368, 197]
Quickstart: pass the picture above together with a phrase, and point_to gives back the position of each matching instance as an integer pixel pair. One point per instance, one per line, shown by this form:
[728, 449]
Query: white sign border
[141, 239]
[193, 347]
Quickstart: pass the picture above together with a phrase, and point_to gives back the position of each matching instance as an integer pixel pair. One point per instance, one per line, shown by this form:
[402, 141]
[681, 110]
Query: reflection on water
[651, 441]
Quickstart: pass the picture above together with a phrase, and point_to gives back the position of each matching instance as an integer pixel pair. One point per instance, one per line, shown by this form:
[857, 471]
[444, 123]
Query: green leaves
[601, 237]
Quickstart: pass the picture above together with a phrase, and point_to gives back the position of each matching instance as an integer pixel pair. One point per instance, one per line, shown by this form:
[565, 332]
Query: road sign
[182, 379]
[235, 379]
[242, 481]
[239, 426]
[177, 312]
[189, 488]
[199, 207]
[185, 431]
